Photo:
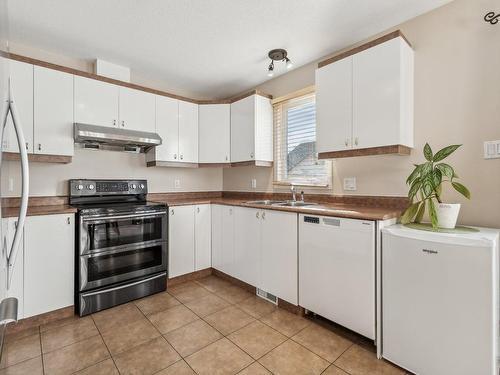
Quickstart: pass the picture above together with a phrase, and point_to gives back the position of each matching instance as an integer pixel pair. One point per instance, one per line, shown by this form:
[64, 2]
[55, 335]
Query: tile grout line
[106, 345]
[41, 350]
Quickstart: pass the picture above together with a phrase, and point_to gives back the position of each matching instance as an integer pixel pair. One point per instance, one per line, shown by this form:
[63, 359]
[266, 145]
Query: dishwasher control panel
[311, 219]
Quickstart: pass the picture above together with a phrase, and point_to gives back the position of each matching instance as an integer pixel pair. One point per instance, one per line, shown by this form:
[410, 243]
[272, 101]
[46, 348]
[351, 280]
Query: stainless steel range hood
[108, 138]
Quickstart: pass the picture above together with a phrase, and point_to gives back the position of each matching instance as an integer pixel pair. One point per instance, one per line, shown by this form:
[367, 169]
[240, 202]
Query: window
[296, 159]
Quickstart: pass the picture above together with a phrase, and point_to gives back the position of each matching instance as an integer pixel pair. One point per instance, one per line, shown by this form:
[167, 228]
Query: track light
[278, 55]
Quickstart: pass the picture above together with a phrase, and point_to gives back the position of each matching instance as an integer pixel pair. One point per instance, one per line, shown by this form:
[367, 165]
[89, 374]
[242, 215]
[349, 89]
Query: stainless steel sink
[265, 202]
[295, 204]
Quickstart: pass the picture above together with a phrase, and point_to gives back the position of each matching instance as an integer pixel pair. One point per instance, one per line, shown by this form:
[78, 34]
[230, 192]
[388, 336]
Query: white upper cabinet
[366, 100]
[188, 132]
[96, 102]
[167, 127]
[252, 129]
[53, 112]
[214, 133]
[334, 106]
[21, 80]
[383, 95]
[137, 110]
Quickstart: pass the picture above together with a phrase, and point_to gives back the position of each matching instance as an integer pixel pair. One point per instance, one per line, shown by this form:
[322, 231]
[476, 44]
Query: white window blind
[296, 159]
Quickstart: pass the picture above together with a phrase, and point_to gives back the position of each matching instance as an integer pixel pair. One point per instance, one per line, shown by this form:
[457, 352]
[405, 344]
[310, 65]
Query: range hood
[116, 139]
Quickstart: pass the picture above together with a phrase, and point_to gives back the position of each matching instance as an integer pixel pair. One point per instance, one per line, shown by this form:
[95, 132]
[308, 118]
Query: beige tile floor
[204, 327]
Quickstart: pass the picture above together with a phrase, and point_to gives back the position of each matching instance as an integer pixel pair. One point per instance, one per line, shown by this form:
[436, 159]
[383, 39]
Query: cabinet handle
[198, 209]
[123, 123]
[230, 211]
[264, 215]
[356, 141]
[182, 157]
[39, 147]
[175, 156]
[346, 142]
[251, 155]
[114, 122]
[68, 220]
[172, 212]
[226, 158]
[27, 146]
[257, 214]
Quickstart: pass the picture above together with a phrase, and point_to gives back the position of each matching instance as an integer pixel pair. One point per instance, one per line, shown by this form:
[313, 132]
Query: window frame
[280, 138]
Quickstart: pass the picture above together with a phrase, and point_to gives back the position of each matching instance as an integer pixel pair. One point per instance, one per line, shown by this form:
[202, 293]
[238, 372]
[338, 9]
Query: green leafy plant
[426, 185]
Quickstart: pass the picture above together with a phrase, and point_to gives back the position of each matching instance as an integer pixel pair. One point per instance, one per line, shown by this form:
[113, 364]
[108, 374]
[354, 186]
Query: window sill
[312, 186]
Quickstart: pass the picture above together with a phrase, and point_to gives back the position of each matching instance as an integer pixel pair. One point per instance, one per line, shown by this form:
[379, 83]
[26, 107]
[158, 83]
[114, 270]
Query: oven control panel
[79, 188]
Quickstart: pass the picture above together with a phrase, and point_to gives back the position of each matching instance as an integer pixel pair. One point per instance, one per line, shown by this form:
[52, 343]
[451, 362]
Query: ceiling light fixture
[278, 54]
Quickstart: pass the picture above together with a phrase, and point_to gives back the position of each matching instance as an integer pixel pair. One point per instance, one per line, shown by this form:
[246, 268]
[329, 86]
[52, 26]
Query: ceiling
[198, 48]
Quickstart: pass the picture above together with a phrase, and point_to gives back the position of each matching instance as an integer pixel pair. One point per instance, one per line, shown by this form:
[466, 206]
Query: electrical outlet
[350, 183]
[254, 183]
[11, 184]
[177, 183]
[491, 149]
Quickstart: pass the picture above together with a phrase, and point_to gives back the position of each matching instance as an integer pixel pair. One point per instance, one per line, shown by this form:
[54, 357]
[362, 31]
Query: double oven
[121, 243]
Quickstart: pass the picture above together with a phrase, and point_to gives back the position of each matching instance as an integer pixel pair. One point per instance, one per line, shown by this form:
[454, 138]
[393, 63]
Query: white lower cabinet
[223, 238]
[49, 259]
[279, 259]
[202, 237]
[189, 236]
[247, 244]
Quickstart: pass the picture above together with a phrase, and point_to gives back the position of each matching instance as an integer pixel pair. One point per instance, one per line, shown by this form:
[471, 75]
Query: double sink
[268, 202]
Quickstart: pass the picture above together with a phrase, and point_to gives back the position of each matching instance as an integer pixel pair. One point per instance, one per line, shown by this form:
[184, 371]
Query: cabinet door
[227, 248]
[16, 288]
[279, 263]
[53, 112]
[167, 127]
[217, 236]
[243, 129]
[21, 80]
[137, 110]
[214, 133]
[188, 132]
[203, 237]
[181, 241]
[247, 224]
[49, 263]
[334, 106]
[263, 128]
[96, 102]
[376, 95]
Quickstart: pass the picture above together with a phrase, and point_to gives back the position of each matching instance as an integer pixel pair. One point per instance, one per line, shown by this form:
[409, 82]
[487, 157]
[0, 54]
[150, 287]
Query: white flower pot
[447, 214]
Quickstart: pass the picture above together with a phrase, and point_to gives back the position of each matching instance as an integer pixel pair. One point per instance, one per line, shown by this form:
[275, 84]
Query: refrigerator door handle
[12, 254]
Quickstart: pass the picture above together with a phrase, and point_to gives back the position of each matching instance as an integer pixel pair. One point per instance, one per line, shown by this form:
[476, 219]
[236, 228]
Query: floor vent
[267, 296]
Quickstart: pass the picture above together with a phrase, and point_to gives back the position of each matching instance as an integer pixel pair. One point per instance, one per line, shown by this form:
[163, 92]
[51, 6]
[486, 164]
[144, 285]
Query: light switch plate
[350, 183]
[491, 149]
[254, 183]
[177, 183]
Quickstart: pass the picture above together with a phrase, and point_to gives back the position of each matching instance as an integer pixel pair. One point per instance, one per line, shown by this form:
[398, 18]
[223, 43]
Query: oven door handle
[123, 249]
[99, 218]
[123, 286]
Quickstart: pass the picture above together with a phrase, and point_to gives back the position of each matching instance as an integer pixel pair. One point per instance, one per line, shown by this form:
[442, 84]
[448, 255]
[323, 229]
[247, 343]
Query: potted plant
[426, 185]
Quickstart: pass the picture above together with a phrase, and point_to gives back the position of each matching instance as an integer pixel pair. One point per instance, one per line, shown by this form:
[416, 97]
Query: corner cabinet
[214, 133]
[49, 258]
[364, 101]
[252, 131]
[189, 233]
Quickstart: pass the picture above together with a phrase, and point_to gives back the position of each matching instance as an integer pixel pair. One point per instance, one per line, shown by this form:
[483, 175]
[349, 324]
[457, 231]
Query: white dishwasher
[337, 270]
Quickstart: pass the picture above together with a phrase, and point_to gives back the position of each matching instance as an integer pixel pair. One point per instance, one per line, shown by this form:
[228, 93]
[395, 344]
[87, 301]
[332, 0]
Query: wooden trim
[383, 150]
[173, 164]
[192, 276]
[234, 280]
[214, 165]
[365, 46]
[81, 73]
[305, 91]
[256, 163]
[38, 158]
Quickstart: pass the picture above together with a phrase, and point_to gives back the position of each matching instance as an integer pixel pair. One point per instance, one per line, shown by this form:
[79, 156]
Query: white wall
[52, 179]
[457, 100]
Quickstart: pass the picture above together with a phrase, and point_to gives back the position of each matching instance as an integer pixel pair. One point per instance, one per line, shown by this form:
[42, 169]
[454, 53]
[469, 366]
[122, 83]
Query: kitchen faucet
[294, 196]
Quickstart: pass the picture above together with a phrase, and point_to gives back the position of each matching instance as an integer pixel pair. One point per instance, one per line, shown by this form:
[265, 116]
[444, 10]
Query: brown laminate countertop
[39, 210]
[351, 211]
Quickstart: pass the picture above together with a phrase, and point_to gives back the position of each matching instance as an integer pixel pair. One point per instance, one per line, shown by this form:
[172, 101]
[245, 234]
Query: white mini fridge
[440, 301]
